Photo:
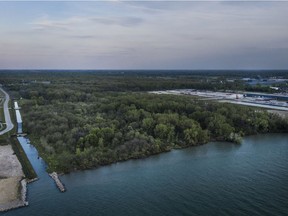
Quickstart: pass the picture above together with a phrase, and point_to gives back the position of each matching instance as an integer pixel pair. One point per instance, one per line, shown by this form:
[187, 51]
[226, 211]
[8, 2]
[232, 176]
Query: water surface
[213, 179]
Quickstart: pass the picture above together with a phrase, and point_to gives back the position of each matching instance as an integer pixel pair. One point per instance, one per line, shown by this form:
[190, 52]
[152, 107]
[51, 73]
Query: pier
[59, 184]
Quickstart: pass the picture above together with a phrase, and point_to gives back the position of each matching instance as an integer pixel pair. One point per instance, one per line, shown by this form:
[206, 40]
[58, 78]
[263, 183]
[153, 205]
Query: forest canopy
[82, 121]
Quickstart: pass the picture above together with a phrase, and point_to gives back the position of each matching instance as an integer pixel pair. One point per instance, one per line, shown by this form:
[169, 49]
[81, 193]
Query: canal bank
[24, 155]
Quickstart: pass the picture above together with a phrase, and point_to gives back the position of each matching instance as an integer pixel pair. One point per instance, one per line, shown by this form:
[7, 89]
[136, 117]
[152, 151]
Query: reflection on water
[212, 148]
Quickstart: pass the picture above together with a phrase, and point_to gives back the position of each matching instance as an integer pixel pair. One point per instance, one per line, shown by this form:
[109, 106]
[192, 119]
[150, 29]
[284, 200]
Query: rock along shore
[58, 183]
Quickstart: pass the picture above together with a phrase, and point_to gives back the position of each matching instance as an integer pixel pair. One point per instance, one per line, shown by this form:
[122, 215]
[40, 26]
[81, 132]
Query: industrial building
[264, 100]
[267, 96]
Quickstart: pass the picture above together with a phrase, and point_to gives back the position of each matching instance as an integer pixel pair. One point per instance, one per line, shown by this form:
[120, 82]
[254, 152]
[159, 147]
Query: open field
[9, 164]
[9, 189]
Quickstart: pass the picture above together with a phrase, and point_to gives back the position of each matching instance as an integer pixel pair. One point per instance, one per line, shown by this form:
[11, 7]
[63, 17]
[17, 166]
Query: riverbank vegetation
[27, 167]
[2, 116]
[85, 120]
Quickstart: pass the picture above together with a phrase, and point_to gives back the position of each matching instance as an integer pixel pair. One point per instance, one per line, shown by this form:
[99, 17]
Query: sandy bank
[12, 185]
[9, 163]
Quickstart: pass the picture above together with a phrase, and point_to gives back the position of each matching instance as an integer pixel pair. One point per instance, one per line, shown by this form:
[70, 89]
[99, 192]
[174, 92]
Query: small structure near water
[59, 184]
[18, 118]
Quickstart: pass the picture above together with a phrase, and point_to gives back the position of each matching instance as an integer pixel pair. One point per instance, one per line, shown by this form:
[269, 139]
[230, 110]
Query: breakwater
[58, 183]
[31, 180]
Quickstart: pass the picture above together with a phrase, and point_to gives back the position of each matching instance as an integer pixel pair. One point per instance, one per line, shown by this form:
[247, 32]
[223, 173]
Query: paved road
[9, 124]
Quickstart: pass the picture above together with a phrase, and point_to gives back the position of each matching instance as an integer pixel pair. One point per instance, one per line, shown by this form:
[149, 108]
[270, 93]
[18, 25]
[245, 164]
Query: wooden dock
[58, 183]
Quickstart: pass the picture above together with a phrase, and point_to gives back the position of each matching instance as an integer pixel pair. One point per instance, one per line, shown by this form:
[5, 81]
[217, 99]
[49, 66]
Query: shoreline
[23, 202]
[13, 182]
[23, 194]
[17, 203]
[162, 152]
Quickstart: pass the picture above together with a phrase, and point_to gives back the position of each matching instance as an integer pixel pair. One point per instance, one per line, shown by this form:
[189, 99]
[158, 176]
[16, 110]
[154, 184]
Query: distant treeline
[140, 80]
[207, 73]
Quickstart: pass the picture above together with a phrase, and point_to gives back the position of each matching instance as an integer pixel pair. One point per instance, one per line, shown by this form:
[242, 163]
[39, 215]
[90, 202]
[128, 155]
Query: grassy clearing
[13, 118]
[2, 117]
[4, 140]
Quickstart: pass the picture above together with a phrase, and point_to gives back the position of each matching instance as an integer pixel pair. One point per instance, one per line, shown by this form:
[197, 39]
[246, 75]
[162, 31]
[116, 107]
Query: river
[213, 179]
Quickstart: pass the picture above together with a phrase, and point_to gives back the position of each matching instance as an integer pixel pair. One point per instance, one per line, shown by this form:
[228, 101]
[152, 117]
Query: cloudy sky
[143, 35]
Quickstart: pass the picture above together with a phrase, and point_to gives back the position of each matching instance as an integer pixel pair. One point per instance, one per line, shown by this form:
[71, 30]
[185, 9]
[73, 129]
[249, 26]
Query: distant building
[268, 96]
[264, 82]
[275, 88]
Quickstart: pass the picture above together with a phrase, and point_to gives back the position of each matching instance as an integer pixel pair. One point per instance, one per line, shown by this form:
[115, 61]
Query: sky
[143, 35]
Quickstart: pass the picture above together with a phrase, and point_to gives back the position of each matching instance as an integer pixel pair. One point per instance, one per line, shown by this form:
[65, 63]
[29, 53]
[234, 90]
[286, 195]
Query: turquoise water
[213, 179]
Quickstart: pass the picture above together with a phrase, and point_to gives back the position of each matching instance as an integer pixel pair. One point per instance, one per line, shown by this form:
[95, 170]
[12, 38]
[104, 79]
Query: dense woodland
[84, 120]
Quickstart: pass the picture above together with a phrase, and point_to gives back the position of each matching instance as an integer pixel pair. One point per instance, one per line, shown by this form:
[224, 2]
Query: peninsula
[81, 120]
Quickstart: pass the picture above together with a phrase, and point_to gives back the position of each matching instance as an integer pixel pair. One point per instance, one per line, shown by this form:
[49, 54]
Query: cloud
[121, 21]
[66, 24]
[152, 34]
[49, 24]
[85, 37]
